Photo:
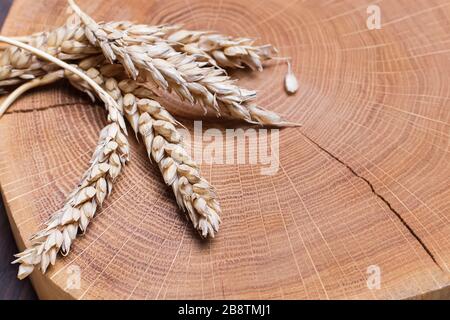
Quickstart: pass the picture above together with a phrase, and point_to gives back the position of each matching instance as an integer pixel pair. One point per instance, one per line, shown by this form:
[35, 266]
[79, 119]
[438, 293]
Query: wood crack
[53, 106]
[379, 196]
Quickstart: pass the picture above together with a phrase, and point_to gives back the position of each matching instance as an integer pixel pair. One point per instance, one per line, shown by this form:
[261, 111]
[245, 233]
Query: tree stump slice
[363, 184]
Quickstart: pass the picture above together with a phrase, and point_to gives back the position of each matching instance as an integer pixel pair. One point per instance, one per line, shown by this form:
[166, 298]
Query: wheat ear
[173, 71]
[65, 43]
[81, 206]
[194, 195]
[110, 155]
[68, 43]
[220, 50]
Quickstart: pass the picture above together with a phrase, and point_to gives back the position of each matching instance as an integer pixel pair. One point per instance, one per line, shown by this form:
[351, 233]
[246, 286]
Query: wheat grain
[290, 81]
[110, 155]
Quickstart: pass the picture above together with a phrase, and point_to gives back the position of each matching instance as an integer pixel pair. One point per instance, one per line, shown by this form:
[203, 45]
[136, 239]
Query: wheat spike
[194, 194]
[70, 43]
[81, 206]
[161, 63]
[188, 63]
[157, 127]
[66, 43]
[220, 50]
[110, 155]
[181, 73]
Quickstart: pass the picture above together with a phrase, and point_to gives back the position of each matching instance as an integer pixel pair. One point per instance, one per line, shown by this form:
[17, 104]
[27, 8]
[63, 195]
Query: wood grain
[363, 183]
[11, 287]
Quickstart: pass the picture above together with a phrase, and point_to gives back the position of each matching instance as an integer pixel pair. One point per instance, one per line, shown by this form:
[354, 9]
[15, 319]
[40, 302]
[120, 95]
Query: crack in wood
[379, 196]
[53, 106]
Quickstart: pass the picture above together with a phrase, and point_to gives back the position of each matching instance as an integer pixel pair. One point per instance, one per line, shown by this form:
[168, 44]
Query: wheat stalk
[110, 155]
[38, 82]
[157, 127]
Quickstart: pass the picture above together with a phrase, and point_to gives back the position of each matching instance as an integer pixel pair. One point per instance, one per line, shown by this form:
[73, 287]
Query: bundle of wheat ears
[125, 65]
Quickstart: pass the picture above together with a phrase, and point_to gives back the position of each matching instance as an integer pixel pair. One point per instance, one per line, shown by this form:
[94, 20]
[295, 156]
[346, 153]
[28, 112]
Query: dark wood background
[10, 287]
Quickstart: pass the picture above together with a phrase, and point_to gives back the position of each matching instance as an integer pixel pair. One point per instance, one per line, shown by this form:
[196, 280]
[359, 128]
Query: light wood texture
[364, 182]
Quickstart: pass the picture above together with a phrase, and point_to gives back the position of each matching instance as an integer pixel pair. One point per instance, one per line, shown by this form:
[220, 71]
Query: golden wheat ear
[176, 72]
[157, 129]
[111, 154]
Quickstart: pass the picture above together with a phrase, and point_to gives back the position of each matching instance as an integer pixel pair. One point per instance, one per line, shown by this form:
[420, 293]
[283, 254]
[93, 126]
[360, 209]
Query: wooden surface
[11, 287]
[364, 183]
